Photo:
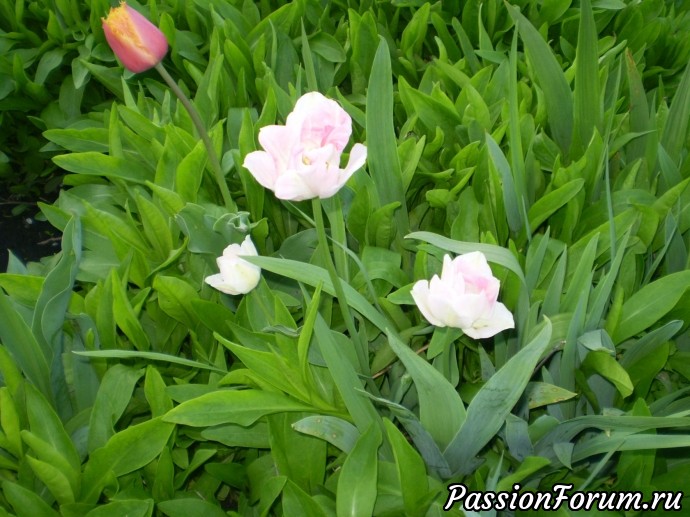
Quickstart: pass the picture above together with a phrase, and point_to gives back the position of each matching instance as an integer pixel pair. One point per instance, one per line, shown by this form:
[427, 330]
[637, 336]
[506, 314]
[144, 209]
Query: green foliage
[552, 136]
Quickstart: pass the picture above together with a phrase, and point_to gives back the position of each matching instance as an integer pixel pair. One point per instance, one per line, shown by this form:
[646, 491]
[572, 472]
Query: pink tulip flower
[237, 276]
[464, 297]
[301, 160]
[136, 42]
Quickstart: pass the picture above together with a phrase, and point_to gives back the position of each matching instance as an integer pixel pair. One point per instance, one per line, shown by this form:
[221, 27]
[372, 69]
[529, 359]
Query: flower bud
[464, 297]
[237, 276]
[136, 42]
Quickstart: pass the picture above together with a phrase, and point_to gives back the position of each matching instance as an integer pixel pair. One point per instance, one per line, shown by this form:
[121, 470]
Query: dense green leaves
[551, 136]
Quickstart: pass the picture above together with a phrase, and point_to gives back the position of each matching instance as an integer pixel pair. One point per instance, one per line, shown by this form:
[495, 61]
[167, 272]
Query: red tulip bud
[136, 42]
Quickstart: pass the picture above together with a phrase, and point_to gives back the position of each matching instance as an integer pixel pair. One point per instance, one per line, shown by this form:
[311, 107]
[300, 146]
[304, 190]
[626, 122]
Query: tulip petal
[291, 186]
[137, 43]
[500, 320]
[420, 294]
[217, 282]
[470, 308]
[358, 156]
[261, 165]
[279, 142]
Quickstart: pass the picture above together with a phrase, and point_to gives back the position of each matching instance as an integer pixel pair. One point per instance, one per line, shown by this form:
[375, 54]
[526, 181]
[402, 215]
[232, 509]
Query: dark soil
[27, 238]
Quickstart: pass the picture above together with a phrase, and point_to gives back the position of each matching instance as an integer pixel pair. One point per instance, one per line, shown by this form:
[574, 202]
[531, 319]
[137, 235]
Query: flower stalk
[201, 129]
[338, 287]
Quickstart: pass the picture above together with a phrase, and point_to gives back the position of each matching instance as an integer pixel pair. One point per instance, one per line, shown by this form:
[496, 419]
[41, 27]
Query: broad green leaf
[639, 109]
[357, 487]
[636, 468]
[313, 275]
[51, 307]
[190, 173]
[382, 156]
[175, 297]
[164, 482]
[21, 344]
[149, 356]
[98, 164]
[441, 410]
[308, 61]
[364, 41]
[155, 227]
[568, 430]
[154, 390]
[298, 502]
[529, 466]
[345, 377]
[434, 114]
[271, 367]
[513, 204]
[26, 289]
[627, 442]
[79, 140]
[45, 423]
[602, 292]
[125, 315]
[189, 506]
[496, 254]
[548, 204]
[382, 226]
[297, 455]
[130, 508]
[582, 275]
[674, 137]
[9, 421]
[650, 303]
[587, 104]
[414, 33]
[411, 469]
[26, 503]
[54, 479]
[557, 94]
[648, 355]
[542, 394]
[606, 365]
[242, 407]
[490, 406]
[254, 436]
[338, 432]
[423, 441]
[114, 395]
[125, 452]
[49, 455]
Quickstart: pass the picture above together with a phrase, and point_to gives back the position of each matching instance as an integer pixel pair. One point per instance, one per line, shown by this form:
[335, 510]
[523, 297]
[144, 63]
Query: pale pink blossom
[465, 296]
[136, 42]
[237, 276]
[301, 160]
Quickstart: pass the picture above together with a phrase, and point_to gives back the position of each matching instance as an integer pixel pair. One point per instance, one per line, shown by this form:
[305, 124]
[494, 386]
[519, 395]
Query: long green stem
[201, 129]
[340, 293]
[334, 211]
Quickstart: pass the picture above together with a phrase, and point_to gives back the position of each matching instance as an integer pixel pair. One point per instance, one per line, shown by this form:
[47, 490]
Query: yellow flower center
[120, 23]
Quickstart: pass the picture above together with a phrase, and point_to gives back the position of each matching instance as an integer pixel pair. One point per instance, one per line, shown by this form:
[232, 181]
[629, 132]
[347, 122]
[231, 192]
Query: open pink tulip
[136, 42]
[464, 297]
[237, 276]
[301, 160]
